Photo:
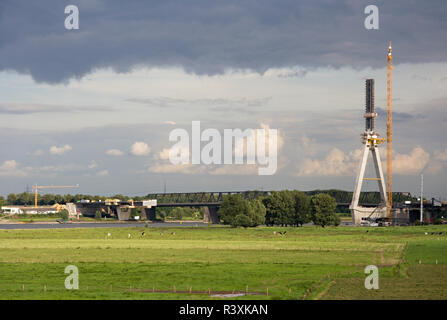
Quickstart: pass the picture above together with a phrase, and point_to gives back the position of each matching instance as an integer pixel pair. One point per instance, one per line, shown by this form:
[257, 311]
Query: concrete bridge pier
[210, 215]
[123, 213]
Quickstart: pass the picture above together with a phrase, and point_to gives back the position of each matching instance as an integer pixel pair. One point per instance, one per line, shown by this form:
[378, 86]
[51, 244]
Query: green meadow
[202, 262]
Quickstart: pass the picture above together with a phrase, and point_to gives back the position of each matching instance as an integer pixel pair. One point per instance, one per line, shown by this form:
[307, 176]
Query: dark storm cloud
[207, 37]
[400, 116]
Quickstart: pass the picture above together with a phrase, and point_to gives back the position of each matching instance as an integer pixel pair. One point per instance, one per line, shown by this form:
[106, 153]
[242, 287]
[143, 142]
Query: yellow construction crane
[389, 130]
[36, 190]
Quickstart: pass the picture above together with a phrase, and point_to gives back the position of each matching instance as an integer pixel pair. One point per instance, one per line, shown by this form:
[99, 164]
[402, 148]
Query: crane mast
[36, 190]
[389, 130]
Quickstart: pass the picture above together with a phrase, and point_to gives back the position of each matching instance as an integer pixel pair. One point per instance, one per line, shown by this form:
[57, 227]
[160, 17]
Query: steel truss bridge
[179, 199]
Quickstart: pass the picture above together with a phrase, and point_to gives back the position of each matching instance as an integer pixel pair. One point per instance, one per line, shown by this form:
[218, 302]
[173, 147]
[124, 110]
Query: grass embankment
[307, 262]
[31, 218]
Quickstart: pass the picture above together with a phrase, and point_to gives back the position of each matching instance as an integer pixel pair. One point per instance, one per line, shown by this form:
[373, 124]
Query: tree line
[27, 198]
[283, 208]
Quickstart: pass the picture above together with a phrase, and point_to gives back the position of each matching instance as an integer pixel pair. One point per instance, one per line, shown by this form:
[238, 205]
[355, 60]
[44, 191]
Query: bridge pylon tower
[371, 142]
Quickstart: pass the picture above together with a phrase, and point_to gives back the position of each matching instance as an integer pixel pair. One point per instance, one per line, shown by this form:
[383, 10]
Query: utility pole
[422, 199]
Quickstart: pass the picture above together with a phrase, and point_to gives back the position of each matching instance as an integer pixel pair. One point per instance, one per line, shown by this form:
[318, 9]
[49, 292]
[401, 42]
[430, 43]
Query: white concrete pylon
[359, 212]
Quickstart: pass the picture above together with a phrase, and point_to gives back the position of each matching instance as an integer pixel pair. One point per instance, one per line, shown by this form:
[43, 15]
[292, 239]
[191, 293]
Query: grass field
[306, 263]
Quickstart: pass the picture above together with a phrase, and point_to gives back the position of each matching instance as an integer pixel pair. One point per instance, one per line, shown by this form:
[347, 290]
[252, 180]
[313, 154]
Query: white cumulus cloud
[114, 152]
[140, 149]
[412, 163]
[12, 168]
[339, 163]
[60, 150]
[336, 163]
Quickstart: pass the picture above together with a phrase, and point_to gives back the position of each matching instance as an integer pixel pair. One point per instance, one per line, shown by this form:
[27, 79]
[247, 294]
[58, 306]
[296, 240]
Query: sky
[95, 106]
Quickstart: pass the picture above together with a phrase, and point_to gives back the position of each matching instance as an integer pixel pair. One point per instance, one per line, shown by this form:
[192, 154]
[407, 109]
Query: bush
[64, 214]
[161, 214]
[437, 221]
[337, 220]
[98, 215]
[242, 220]
[177, 213]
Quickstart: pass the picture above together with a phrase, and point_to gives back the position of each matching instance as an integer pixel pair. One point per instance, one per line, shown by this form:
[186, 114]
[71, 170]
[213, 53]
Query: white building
[28, 210]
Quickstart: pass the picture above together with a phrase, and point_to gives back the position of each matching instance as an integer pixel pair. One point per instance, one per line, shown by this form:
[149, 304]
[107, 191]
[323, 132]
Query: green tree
[237, 211]
[64, 214]
[12, 199]
[322, 208]
[121, 197]
[232, 206]
[241, 220]
[98, 215]
[280, 208]
[258, 212]
[302, 208]
[161, 214]
[24, 198]
[2, 201]
[58, 198]
[177, 213]
[48, 199]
